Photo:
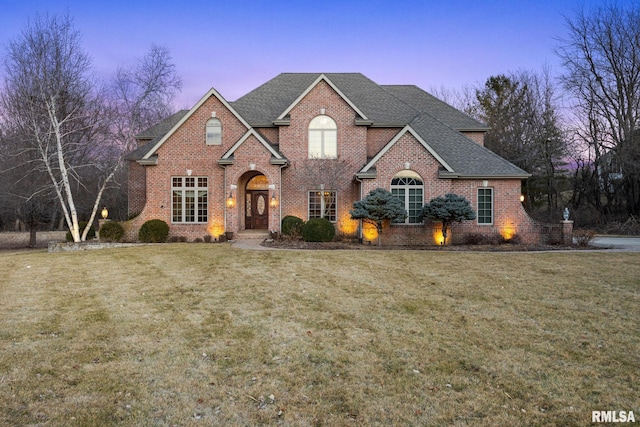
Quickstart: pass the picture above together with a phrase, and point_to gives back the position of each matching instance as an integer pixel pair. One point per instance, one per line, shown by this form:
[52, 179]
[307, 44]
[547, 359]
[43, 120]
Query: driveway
[631, 243]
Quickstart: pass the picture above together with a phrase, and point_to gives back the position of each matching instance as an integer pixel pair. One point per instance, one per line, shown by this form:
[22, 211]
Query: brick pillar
[567, 232]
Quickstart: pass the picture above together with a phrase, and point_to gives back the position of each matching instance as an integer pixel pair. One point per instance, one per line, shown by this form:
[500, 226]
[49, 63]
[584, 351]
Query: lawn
[208, 334]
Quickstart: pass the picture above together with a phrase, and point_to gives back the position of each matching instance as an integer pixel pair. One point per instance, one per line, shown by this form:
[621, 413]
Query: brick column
[567, 232]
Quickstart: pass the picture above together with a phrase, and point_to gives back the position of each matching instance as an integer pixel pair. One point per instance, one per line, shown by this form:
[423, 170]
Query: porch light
[273, 202]
[521, 198]
[104, 213]
[231, 202]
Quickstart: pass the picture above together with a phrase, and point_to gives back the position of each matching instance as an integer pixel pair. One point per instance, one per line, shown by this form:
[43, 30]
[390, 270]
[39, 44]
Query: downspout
[224, 199]
[280, 204]
[359, 221]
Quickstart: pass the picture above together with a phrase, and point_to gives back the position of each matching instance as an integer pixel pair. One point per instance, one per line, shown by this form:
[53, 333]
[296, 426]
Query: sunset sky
[235, 46]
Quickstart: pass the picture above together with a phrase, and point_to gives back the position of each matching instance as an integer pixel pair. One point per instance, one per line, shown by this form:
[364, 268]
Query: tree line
[64, 132]
[577, 133]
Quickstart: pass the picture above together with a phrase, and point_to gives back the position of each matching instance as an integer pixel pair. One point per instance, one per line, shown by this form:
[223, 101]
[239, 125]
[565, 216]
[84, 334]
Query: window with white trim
[214, 131]
[409, 188]
[485, 206]
[323, 138]
[322, 204]
[189, 199]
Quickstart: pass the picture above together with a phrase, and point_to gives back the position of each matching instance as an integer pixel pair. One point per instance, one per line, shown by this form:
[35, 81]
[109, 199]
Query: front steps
[253, 235]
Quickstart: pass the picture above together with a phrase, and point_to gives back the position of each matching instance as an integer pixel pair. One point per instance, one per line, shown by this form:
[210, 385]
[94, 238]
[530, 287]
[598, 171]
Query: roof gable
[321, 77]
[212, 92]
[394, 140]
[465, 157]
[260, 138]
[273, 100]
[459, 156]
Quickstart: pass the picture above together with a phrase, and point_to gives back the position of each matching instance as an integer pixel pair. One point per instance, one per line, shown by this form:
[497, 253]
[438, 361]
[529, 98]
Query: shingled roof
[154, 134]
[436, 123]
[438, 109]
[466, 158]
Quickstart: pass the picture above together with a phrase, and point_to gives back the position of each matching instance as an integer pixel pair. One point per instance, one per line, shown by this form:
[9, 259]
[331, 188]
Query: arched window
[409, 188]
[323, 138]
[214, 132]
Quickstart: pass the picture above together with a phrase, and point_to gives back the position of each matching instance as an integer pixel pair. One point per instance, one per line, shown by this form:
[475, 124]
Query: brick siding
[186, 150]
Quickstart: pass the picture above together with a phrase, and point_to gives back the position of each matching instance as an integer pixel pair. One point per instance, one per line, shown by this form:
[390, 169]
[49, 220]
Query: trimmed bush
[111, 231]
[292, 225]
[318, 230]
[154, 231]
[583, 237]
[82, 224]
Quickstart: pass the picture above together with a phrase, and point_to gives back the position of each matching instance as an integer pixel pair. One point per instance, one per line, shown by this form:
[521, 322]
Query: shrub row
[314, 230]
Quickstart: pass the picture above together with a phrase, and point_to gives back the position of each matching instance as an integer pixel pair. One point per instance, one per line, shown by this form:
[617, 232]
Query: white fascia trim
[311, 86]
[395, 139]
[212, 92]
[249, 133]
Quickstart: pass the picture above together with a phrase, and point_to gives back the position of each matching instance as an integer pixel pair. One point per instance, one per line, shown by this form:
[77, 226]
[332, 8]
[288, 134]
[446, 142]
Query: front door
[256, 210]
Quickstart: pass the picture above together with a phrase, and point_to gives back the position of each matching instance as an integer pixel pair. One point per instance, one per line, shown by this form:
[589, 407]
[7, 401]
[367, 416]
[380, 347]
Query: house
[310, 145]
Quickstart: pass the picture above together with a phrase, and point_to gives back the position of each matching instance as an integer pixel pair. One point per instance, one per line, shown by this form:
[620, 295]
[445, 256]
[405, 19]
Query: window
[189, 199]
[322, 204]
[485, 205]
[323, 138]
[409, 188]
[214, 132]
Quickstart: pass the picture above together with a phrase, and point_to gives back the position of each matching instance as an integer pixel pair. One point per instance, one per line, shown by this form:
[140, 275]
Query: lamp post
[105, 214]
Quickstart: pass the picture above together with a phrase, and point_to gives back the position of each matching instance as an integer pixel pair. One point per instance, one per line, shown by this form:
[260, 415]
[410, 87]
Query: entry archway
[256, 203]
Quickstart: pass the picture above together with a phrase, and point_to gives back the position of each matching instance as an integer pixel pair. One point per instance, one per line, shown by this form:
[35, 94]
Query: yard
[208, 334]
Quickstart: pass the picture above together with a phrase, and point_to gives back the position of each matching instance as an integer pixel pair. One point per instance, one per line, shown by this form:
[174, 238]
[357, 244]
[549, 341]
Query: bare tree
[52, 102]
[601, 56]
[326, 175]
[143, 95]
[525, 128]
[464, 99]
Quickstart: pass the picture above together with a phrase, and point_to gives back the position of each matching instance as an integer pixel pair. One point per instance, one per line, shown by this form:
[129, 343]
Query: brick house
[310, 145]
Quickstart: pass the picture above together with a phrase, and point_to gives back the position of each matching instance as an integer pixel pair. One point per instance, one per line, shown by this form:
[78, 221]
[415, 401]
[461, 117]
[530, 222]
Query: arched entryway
[256, 203]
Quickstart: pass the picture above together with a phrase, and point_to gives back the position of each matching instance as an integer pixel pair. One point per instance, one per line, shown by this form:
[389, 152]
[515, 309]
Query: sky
[236, 45]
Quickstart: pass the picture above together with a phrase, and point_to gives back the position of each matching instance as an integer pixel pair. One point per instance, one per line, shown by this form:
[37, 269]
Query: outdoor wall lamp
[273, 202]
[521, 198]
[104, 213]
[231, 202]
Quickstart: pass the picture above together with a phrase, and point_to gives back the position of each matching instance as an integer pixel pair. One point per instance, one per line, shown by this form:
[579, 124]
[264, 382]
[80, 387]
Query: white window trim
[323, 132]
[196, 189]
[492, 206]
[322, 204]
[408, 174]
[213, 141]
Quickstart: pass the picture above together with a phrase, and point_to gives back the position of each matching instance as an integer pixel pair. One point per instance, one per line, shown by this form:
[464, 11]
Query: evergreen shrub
[111, 231]
[154, 231]
[318, 230]
[292, 225]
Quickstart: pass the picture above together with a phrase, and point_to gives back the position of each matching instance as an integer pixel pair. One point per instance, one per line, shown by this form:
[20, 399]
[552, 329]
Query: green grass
[187, 334]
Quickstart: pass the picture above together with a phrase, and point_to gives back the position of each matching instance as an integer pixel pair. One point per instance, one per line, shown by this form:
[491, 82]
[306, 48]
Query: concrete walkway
[251, 239]
[618, 243]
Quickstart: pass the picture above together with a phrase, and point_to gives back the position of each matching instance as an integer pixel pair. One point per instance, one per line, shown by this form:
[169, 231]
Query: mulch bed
[507, 247]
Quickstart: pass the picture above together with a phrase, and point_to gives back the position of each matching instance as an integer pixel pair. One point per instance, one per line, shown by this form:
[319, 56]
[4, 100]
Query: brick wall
[137, 191]
[475, 136]
[352, 148]
[186, 150]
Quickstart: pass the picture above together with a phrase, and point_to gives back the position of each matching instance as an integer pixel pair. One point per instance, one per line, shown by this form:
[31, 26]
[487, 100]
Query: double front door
[256, 210]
